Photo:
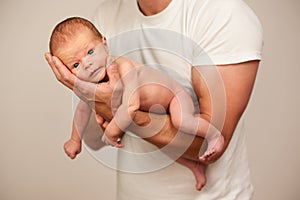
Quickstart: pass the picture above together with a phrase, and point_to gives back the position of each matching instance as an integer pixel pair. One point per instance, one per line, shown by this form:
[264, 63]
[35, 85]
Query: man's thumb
[113, 74]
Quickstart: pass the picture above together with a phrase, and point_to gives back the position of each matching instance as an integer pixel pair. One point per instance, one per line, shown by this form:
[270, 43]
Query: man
[224, 33]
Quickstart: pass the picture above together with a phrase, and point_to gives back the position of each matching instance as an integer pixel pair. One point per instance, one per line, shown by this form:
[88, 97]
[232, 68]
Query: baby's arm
[122, 119]
[126, 112]
[80, 121]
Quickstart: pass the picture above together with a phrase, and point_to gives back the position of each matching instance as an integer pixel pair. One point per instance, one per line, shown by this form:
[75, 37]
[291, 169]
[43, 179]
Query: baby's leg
[183, 118]
[198, 170]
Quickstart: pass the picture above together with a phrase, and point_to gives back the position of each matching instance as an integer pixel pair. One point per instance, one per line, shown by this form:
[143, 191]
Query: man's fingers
[99, 119]
[66, 77]
[117, 144]
[52, 62]
[48, 57]
[113, 74]
[105, 140]
[62, 73]
[85, 91]
[115, 85]
[105, 124]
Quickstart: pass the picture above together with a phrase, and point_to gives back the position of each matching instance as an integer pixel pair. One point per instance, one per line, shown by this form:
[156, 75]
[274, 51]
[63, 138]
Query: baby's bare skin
[144, 87]
[152, 88]
[86, 56]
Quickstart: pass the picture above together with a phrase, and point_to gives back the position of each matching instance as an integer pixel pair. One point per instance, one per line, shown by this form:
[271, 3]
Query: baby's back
[153, 86]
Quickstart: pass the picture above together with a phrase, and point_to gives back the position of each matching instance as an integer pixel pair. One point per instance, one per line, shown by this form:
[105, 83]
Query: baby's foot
[215, 146]
[199, 172]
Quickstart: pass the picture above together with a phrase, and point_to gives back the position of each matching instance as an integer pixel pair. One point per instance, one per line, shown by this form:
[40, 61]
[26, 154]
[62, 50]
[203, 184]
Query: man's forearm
[186, 144]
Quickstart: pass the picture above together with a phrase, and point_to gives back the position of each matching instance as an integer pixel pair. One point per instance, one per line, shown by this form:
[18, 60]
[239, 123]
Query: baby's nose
[87, 63]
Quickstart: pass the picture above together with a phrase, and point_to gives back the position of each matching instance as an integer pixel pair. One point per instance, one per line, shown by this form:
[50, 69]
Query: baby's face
[86, 57]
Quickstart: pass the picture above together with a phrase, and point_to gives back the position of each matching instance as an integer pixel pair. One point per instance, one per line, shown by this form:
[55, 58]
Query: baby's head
[80, 46]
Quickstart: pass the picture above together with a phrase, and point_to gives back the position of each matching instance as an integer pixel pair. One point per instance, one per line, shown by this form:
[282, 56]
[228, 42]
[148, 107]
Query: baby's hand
[72, 148]
[111, 141]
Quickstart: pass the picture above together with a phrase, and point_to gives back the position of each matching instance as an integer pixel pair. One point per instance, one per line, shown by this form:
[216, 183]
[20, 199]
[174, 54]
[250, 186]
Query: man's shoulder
[215, 5]
[106, 3]
[104, 6]
[110, 14]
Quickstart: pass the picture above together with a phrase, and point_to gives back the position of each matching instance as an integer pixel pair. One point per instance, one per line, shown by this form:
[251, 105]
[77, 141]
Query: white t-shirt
[187, 33]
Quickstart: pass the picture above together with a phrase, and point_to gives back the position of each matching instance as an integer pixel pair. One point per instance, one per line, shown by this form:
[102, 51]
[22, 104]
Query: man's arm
[238, 81]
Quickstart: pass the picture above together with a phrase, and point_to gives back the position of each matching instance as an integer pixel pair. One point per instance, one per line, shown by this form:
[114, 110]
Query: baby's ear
[104, 40]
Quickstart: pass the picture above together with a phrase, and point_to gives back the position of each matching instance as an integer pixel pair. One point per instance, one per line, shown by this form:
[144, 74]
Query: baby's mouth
[95, 71]
[98, 73]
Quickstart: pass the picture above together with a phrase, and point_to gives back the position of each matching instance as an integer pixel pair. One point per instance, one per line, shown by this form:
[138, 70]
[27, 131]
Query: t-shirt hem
[229, 59]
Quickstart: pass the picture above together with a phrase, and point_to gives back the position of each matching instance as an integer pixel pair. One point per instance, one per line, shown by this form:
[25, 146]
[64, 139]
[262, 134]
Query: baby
[79, 45]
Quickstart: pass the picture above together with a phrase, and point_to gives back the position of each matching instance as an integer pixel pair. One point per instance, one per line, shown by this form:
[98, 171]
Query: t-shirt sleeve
[226, 32]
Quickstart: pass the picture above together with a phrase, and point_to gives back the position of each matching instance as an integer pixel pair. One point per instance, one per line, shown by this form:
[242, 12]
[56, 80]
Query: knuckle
[65, 78]
[58, 77]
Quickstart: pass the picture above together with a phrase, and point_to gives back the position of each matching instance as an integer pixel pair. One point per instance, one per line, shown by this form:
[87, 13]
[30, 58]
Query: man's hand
[61, 72]
[101, 97]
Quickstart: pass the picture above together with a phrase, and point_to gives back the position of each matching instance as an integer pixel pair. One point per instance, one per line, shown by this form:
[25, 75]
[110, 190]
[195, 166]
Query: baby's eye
[91, 51]
[76, 65]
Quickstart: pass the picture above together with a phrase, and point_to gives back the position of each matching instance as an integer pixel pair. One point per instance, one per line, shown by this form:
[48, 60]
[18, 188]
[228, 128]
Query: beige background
[36, 111]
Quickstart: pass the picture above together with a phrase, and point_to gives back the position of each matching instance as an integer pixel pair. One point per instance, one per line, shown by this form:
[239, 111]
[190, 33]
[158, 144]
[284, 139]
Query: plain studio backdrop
[36, 111]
